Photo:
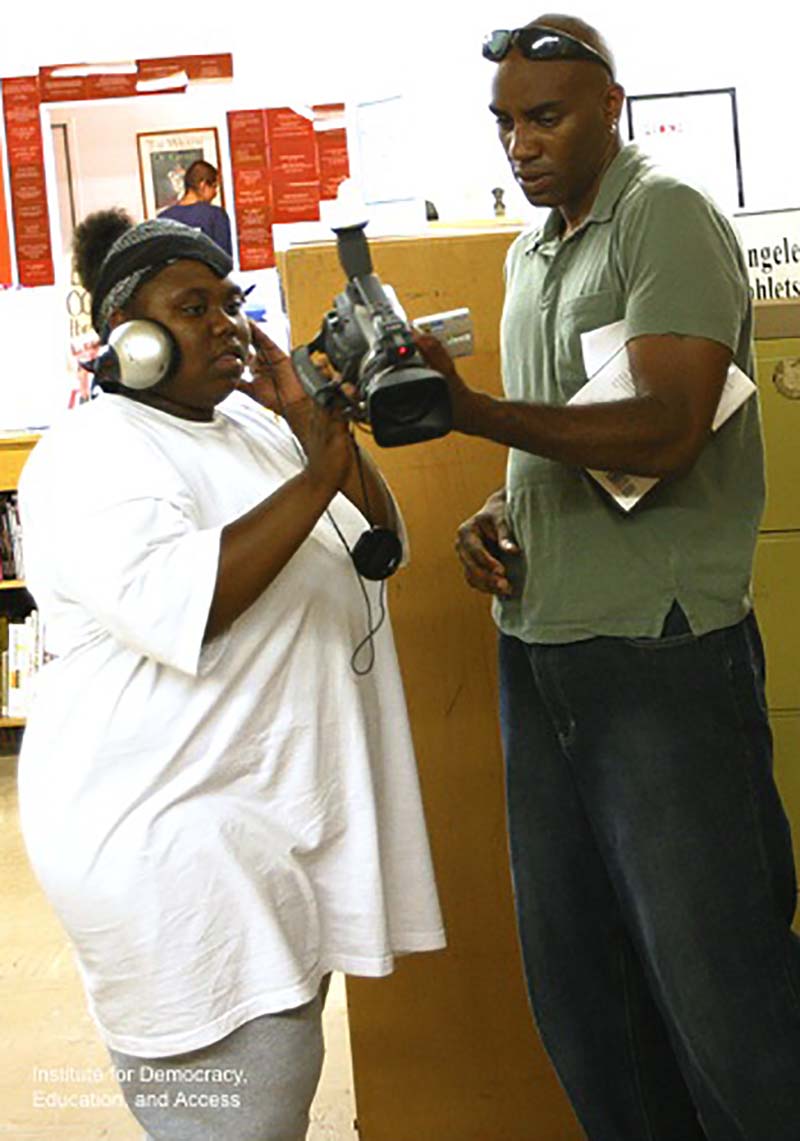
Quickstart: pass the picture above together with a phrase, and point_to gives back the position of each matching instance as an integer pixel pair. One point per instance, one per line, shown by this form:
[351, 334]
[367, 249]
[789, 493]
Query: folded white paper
[605, 359]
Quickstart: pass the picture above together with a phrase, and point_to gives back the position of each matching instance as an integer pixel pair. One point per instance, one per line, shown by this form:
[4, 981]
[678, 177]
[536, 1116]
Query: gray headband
[144, 250]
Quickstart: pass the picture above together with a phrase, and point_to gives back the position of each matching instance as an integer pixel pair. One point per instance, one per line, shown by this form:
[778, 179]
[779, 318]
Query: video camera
[372, 350]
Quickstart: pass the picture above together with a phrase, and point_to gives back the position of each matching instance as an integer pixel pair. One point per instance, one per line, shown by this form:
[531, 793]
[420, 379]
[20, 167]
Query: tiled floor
[54, 1080]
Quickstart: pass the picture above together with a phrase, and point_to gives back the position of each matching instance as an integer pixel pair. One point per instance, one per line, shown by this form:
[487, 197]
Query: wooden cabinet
[14, 599]
[445, 1049]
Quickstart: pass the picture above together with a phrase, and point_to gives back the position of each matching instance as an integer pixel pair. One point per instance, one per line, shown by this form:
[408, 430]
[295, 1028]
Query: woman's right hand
[480, 543]
[275, 383]
[328, 444]
[256, 547]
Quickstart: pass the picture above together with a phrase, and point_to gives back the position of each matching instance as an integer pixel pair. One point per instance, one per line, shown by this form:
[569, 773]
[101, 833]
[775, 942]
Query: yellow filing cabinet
[777, 564]
[777, 352]
[775, 579]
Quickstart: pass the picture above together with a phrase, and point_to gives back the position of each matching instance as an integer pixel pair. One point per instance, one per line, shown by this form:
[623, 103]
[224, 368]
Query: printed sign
[771, 243]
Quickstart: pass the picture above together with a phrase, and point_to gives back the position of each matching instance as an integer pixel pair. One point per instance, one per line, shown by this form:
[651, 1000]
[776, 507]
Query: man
[651, 856]
[201, 186]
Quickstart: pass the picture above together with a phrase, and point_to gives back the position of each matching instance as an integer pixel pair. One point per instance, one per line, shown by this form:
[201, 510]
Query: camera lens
[408, 403]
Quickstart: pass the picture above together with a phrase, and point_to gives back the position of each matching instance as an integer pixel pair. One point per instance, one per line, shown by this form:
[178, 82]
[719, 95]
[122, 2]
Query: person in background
[217, 789]
[195, 208]
[651, 855]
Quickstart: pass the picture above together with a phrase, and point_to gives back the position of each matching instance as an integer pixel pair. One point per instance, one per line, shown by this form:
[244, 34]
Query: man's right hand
[480, 544]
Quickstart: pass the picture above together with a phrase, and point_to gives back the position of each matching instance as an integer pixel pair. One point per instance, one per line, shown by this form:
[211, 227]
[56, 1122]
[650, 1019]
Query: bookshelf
[14, 599]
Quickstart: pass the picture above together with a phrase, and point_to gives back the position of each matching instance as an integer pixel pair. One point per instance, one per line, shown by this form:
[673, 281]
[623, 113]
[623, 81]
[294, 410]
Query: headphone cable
[372, 630]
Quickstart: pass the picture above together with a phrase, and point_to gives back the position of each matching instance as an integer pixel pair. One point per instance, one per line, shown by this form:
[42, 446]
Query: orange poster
[293, 166]
[54, 88]
[5, 245]
[331, 138]
[218, 66]
[28, 190]
[252, 193]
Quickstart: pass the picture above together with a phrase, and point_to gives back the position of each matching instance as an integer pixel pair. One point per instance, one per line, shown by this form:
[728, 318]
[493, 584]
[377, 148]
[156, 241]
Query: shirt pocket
[579, 315]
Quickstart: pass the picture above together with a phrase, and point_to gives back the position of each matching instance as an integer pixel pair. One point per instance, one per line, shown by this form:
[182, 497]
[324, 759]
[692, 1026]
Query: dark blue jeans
[655, 883]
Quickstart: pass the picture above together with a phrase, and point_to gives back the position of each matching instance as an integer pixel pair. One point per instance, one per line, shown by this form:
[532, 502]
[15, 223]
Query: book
[21, 661]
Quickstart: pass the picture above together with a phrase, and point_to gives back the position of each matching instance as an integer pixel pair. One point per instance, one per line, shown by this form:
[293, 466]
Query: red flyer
[209, 66]
[331, 139]
[251, 189]
[293, 163]
[195, 67]
[113, 84]
[28, 189]
[54, 88]
[5, 242]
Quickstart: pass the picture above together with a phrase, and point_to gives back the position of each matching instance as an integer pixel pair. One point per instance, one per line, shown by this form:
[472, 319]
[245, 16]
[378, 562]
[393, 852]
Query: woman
[197, 188]
[220, 809]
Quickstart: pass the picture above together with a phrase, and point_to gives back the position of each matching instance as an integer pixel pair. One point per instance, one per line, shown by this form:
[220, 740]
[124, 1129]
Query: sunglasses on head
[540, 43]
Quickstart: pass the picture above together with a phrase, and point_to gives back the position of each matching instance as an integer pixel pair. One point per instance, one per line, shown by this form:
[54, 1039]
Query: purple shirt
[212, 220]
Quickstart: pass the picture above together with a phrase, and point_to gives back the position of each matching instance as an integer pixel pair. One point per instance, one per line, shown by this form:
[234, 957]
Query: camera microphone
[354, 256]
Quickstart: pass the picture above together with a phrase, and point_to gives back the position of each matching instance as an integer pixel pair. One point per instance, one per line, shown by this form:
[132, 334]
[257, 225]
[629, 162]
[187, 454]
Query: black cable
[371, 630]
[362, 480]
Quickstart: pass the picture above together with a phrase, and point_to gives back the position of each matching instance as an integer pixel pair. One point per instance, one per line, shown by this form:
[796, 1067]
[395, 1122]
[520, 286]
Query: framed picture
[694, 135]
[164, 158]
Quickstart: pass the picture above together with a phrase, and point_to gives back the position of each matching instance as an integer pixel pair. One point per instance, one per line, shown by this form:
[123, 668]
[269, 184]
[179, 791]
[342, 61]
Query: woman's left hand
[275, 383]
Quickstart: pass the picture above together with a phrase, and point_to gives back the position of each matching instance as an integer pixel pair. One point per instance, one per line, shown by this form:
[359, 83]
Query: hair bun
[93, 238]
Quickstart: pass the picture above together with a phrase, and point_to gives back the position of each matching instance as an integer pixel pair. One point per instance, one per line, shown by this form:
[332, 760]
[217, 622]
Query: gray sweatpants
[257, 1084]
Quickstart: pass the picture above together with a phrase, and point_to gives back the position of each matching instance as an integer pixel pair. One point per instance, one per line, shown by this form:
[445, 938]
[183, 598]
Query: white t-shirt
[217, 827]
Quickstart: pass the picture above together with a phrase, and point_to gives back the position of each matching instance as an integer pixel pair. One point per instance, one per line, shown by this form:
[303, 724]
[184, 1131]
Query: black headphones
[138, 354]
[377, 553]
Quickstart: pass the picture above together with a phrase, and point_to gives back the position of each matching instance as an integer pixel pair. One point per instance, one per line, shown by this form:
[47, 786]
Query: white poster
[385, 166]
[386, 159]
[694, 135]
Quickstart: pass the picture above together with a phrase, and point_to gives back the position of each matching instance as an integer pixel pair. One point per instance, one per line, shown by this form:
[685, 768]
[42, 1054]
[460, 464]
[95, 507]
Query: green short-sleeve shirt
[659, 255]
